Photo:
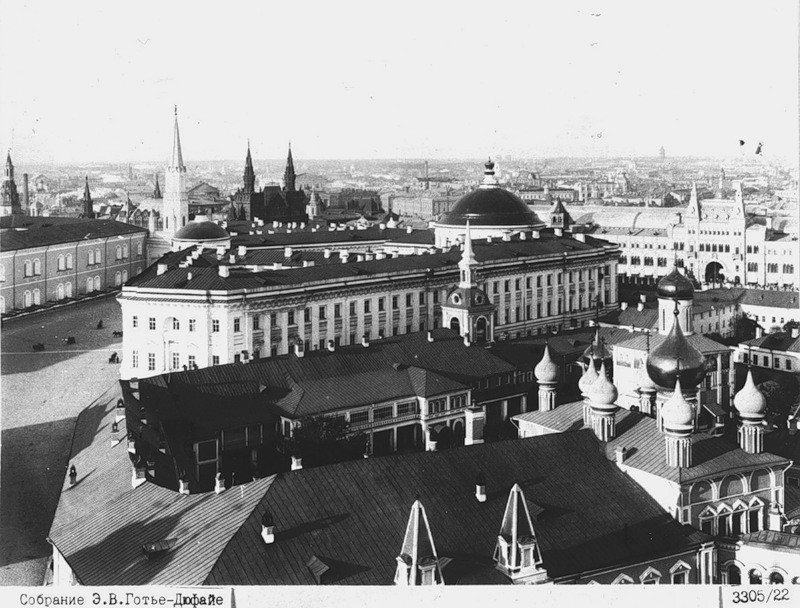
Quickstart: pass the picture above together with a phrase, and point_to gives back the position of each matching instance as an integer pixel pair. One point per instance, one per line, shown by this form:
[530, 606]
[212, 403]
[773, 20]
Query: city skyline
[613, 80]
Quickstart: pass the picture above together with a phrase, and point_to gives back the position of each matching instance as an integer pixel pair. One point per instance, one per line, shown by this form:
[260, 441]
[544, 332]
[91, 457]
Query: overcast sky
[405, 79]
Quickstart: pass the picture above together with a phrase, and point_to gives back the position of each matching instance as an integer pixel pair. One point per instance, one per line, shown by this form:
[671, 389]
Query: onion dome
[749, 401]
[675, 286]
[674, 357]
[546, 371]
[588, 378]
[677, 413]
[490, 205]
[646, 384]
[597, 350]
[603, 393]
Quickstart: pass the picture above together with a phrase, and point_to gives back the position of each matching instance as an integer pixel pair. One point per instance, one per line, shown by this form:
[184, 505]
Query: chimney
[287, 252]
[220, 252]
[580, 236]
[640, 306]
[161, 269]
[219, 484]
[267, 528]
[466, 339]
[623, 306]
[331, 346]
[232, 258]
[297, 463]
[307, 263]
[642, 298]
[242, 251]
[430, 336]
[73, 476]
[480, 487]
[381, 226]
[409, 230]
[327, 254]
[559, 232]
[795, 332]
[25, 197]
[115, 438]
[535, 234]
[380, 256]
[183, 486]
[343, 255]
[506, 237]
[224, 271]
[475, 419]
[622, 454]
[299, 349]
[138, 477]
[488, 239]
[523, 236]
[759, 331]
[365, 340]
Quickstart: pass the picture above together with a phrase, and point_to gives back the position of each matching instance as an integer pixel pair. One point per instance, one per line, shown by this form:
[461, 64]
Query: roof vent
[640, 306]
[219, 484]
[365, 341]
[183, 486]
[188, 276]
[409, 229]
[535, 234]
[381, 226]
[224, 271]
[268, 528]
[287, 252]
[307, 263]
[559, 231]
[327, 253]
[242, 251]
[506, 237]
[318, 568]
[232, 258]
[297, 463]
[580, 236]
[622, 454]
[159, 547]
[480, 487]
[523, 236]
[623, 305]
[488, 239]
[643, 297]
[331, 346]
[161, 269]
[430, 336]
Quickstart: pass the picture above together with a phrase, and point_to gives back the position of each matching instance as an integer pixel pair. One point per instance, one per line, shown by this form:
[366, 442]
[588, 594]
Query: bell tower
[176, 200]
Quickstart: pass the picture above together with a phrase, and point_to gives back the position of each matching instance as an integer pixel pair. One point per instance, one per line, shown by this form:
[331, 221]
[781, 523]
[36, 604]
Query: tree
[322, 440]
[744, 328]
[780, 395]
[790, 325]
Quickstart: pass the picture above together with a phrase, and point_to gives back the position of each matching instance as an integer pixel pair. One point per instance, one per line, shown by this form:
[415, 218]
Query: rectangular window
[381, 305]
[352, 309]
[517, 284]
[361, 417]
[254, 435]
[421, 298]
[337, 311]
[273, 320]
[290, 319]
[549, 280]
[192, 324]
[407, 409]
[151, 362]
[176, 361]
[135, 358]
[152, 323]
[135, 321]
[322, 313]
[435, 297]
[367, 304]
[306, 315]
[176, 325]
[234, 438]
[215, 326]
[507, 286]
[527, 282]
[395, 303]
[192, 361]
[383, 413]
[256, 322]
[408, 300]
[214, 359]
[236, 358]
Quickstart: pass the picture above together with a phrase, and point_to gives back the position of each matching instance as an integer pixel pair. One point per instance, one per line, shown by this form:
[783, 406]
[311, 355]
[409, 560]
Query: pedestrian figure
[100, 324]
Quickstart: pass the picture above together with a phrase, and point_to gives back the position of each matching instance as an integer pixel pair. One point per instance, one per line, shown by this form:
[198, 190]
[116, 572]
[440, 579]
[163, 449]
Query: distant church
[10, 197]
[272, 203]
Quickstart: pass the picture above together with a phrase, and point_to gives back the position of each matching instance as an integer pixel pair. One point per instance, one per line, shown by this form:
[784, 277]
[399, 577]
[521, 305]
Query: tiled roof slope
[282, 238]
[53, 232]
[771, 297]
[352, 515]
[781, 341]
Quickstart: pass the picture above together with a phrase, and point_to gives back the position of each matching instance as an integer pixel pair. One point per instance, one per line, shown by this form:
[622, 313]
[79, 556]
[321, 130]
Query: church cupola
[584, 385]
[249, 174]
[289, 176]
[675, 290]
[546, 372]
[751, 406]
[647, 388]
[517, 553]
[677, 417]
[418, 563]
[88, 208]
[603, 402]
[676, 356]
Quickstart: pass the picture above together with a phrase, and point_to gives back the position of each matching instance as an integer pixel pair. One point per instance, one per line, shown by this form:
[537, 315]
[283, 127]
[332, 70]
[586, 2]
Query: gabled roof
[706, 346]
[780, 341]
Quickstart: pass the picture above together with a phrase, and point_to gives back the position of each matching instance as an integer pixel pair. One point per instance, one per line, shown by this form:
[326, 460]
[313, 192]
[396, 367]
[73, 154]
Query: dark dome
[201, 231]
[663, 361]
[675, 286]
[490, 205]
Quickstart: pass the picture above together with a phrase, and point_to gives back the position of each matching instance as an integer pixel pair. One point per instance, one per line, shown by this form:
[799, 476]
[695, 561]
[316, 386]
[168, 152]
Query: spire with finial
[157, 190]
[517, 552]
[751, 406]
[489, 179]
[289, 176]
[467, 261]
[177, 154]
[418, 563]
[88, 208]
[694, 203]
[249, 174]
[546, 372]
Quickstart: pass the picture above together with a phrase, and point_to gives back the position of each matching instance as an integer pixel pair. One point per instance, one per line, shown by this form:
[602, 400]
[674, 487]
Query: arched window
[760, 480]
[124, 276]
[37, 297]
[119, 252]
[754, 576]
[69, 260]
[707, 519]
[27, 299]
[61, 264]
[97, 257]
[139, 248]
[97, 283]
[732, 485]
[701, 492]
[68, 290]
[734, 575]
[739, 518]
[117, 278]
[775, 578]
[91, 257]
[27, 269]
[724, 521]
[37, 267]
[89, 284]
[755, 517]
[60, 291]
[125, 251]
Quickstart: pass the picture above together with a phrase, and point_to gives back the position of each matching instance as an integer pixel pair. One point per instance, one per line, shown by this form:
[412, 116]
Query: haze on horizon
[351, 80]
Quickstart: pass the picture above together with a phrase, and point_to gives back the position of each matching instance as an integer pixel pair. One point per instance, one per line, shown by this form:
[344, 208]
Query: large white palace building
[204, 304]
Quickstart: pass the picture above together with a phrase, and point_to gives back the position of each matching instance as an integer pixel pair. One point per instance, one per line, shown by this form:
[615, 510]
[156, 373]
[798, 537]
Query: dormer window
[651, 576]
[455, 298]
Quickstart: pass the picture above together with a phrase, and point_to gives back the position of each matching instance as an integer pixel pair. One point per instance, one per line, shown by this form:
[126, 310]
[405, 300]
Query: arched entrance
[481, 334]
[458, 433]
[715, 273]
[455, 325]
[444, 438]
[734, 575]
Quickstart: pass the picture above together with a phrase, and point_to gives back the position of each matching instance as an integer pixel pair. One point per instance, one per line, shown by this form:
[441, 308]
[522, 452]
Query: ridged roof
[40, 232]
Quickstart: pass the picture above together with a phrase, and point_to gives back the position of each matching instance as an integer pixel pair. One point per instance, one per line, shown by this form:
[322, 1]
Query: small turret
[603, 402]
[677, 418]
[751, 405]
[517, 553]
[546, 372]
[418, 563]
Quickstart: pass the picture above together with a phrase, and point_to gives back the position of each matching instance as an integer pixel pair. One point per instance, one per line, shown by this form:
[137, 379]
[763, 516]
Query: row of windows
[713, 247]
[787, 268]
[776, 362]
[33, 267]
[548, 280]
[679, 575]
[648, 261]
[727, 521]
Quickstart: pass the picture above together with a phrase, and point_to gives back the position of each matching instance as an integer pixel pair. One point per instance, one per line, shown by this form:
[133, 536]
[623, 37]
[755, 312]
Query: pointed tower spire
[418, 563]
[249, 174]
[289, 176]
[157, 190]
[517, 552]
[467, 261]
[88, 209]
[177, 154]
[694, 204]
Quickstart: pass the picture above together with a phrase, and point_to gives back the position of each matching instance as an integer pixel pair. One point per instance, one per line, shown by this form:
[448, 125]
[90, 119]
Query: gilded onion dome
[673, 357]
[749, 401]
[675, 286]
[677, 413]
[546, 371]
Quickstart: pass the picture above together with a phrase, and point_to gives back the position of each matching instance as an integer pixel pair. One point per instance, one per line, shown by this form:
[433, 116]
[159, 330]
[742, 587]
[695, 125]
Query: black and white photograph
[367, 296]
